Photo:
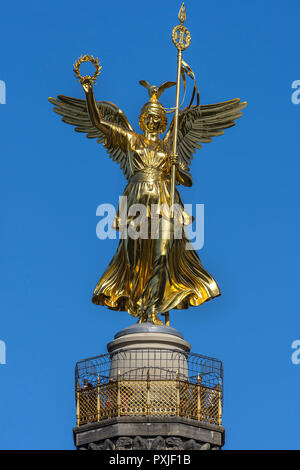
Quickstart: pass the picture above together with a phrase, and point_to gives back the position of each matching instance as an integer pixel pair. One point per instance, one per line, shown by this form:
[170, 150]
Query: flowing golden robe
[151, 274]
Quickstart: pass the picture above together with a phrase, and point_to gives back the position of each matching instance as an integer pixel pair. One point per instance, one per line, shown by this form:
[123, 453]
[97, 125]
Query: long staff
[181, 39]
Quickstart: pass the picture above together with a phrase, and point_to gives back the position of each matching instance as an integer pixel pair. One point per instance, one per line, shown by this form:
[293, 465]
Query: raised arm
[99, 120]
[93, 109]
[95, 116]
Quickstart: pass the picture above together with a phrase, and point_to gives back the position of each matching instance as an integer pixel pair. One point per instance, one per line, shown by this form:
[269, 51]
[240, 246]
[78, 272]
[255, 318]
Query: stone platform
[149, 433]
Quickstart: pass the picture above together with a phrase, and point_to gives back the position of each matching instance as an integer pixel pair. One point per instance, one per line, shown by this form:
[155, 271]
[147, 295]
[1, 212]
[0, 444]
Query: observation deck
[149, 377]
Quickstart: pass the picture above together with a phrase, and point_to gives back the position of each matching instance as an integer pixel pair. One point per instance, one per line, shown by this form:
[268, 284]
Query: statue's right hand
[86, 84]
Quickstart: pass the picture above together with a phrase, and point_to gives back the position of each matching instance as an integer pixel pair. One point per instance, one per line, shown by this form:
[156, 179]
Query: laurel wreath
[87, 58]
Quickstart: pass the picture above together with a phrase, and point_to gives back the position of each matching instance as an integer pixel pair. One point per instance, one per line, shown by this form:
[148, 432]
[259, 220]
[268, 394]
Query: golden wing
[198, 124]
[74, 112]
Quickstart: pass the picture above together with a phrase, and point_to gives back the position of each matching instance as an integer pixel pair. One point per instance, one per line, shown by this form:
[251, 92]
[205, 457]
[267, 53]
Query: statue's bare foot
[153, 317]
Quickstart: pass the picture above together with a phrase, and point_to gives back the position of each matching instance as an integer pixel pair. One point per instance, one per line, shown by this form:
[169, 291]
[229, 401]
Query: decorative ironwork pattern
[149, 397]
[147, 383]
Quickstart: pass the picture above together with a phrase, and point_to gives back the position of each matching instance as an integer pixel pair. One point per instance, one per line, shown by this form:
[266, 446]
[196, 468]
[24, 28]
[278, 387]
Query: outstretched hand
[86, 83]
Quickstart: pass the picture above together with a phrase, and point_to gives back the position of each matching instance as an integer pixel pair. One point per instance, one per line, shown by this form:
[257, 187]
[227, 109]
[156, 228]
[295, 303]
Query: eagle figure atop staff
[151, 275]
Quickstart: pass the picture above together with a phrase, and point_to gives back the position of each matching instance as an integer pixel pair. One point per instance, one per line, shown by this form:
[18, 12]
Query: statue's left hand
[174, 160]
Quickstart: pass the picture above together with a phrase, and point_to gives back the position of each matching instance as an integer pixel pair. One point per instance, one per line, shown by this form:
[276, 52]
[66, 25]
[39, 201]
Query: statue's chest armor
[152, 155]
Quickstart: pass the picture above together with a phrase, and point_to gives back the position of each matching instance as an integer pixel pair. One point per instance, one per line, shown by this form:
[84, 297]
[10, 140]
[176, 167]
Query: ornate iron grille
[149, 382]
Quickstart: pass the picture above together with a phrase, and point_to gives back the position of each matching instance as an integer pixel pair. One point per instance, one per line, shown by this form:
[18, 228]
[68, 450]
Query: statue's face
[152, 122]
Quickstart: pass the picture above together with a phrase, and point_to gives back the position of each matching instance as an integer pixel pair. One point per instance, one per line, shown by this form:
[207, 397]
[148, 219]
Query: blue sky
[53, 179]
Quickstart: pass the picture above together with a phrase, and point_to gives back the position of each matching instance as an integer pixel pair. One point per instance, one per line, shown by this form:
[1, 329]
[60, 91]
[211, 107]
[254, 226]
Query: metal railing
[193, 391]
[149, 398]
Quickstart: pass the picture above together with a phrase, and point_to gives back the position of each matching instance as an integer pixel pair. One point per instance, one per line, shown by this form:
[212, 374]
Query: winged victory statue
[150, 275]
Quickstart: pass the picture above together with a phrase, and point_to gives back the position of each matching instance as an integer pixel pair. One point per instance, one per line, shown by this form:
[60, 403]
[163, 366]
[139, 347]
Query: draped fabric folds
[140, 277]
[154, 273]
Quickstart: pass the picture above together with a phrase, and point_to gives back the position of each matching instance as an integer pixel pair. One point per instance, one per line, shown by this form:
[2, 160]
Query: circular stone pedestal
[148, 351]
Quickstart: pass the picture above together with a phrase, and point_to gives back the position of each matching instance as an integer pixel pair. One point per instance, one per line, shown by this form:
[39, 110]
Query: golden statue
[152, 275]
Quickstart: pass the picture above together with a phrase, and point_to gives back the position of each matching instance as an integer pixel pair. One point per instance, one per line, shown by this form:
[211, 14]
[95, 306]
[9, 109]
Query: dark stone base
[149, 433]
